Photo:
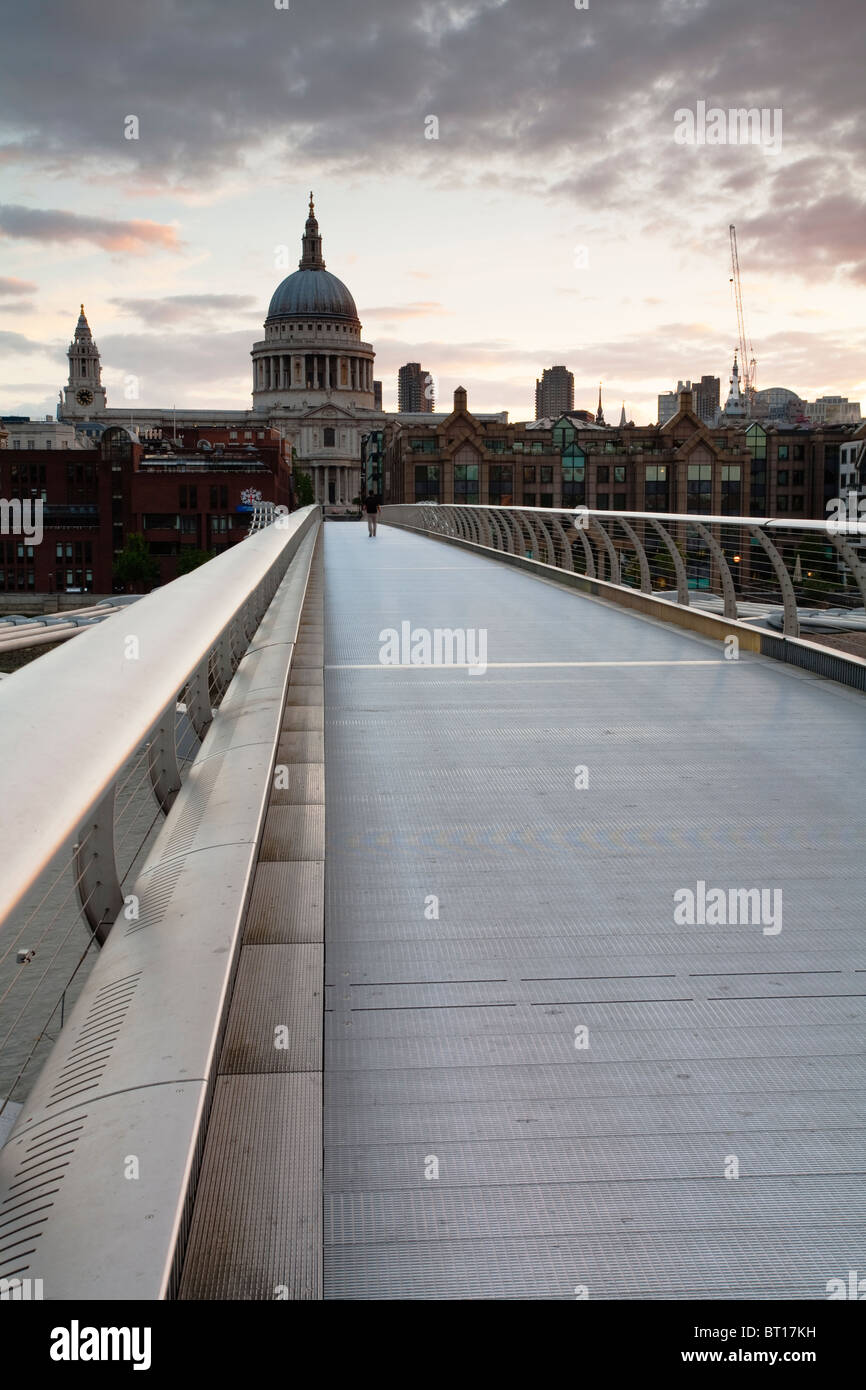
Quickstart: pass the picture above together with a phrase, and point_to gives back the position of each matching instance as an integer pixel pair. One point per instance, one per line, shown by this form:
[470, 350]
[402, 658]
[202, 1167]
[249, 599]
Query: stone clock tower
[84, 394]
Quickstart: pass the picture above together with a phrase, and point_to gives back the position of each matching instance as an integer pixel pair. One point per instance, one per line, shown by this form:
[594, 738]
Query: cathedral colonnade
[335, 484]
[313, 372]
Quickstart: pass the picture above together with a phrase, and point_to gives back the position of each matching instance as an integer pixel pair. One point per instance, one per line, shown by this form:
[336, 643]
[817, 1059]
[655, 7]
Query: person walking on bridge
[372, 508]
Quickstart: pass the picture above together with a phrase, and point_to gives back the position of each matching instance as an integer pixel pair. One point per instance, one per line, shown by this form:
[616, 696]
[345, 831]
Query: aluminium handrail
[464, 519]
[70, 721]
[775, 523]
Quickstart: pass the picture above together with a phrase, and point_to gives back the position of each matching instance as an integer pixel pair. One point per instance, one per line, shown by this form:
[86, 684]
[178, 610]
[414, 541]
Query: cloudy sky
[555, 218]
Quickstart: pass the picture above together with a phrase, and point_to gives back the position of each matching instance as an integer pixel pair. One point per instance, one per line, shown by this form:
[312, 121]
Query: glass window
[619, 474]
[698, 487]
[756, 441]
[603, 500]
[427, 482]
[501, 484]
[528, 473]
[797, 504]
[783, 452]
[781, 504]
[330, 438]
[782, 477]
[730, 489]
[546, 475]
[573, 478]
[466, 482]
[603, 473]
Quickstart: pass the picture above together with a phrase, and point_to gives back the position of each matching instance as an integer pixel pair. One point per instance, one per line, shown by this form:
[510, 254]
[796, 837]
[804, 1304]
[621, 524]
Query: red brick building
[192, 492]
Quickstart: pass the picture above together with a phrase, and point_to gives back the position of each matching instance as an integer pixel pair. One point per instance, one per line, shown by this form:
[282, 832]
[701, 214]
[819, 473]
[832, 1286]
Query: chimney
[460, 399]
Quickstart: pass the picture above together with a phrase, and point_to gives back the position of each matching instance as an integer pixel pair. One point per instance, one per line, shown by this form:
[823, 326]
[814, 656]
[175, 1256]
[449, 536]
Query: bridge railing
[128, 1085]
[797, 577]
[96, 739]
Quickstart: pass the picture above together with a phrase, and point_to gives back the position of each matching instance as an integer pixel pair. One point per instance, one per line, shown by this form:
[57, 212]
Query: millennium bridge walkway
[539, 975]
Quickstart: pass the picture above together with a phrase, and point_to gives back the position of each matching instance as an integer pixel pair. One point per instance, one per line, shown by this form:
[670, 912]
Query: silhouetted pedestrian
[371, 507]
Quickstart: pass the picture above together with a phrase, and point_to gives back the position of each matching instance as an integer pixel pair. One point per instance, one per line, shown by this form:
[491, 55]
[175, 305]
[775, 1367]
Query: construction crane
[749, 372]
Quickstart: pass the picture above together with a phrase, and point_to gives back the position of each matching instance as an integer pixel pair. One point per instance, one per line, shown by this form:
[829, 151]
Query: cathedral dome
[309, 292]
[312, 290]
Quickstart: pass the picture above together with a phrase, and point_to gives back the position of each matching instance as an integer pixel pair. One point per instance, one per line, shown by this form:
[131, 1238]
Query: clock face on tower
[84, 397]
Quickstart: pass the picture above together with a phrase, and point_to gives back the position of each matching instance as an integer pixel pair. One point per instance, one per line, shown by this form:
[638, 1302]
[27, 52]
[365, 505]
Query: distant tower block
[554, 393]
[415, 389]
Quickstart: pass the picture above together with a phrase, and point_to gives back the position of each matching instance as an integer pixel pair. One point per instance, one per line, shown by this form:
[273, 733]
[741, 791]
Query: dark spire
[312, 243]
[599, 419]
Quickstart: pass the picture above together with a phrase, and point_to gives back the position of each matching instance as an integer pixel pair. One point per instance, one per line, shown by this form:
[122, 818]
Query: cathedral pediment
[328, 411]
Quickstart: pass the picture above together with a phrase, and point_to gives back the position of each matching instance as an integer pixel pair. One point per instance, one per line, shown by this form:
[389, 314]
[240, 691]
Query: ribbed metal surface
[450, 1036]
[294, 832]
[275, 1023]
[298, 784]
[287, 904]
[256, 1231]
[821, 661]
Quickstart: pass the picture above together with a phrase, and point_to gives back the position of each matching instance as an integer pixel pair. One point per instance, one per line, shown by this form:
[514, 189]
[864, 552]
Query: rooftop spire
[82, 328]
[622, 419]
[599, 419]
[736, 402]
[312, 243]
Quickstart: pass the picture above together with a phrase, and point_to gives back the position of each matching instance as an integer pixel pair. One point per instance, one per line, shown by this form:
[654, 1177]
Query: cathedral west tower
[83, 396]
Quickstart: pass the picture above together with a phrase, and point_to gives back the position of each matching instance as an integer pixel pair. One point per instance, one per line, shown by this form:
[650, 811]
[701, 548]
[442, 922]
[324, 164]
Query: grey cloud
[179, 366]
[419, 309]
[18, 343]
[353, 81]
[186, 308]
[56, 225]
[819, 236]
[13, 288]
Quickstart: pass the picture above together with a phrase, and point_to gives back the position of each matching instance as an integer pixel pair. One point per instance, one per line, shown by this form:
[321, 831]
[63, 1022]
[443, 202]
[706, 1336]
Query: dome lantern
[312, 291]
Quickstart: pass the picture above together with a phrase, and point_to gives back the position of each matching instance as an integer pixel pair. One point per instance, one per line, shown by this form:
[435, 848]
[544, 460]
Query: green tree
[135, 567]
[190, 559]
[304, 489]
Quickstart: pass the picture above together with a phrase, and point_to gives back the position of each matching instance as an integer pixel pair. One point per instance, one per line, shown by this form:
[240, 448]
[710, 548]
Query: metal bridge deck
[710, 1049]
